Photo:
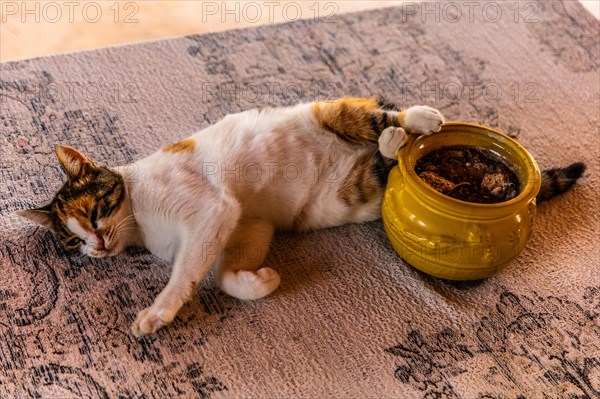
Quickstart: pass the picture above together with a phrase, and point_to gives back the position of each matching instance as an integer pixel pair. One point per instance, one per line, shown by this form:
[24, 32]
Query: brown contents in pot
[469, 174]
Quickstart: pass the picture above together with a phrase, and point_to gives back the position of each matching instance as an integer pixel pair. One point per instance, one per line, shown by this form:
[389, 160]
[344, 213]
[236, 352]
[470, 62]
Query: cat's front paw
[422, 119]
[149, 320]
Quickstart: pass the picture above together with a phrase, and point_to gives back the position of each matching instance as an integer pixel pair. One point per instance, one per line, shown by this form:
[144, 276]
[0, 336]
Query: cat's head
[91, 213]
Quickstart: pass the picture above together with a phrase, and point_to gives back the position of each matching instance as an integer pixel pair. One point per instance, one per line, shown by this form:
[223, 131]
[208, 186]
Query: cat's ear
[40, 216]
[74, 163]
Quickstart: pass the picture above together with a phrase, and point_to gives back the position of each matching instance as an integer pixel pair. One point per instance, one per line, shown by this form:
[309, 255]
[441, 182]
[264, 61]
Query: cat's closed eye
[73, 242]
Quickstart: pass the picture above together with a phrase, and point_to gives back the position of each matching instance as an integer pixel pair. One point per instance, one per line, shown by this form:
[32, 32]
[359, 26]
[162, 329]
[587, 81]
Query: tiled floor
[37, 28]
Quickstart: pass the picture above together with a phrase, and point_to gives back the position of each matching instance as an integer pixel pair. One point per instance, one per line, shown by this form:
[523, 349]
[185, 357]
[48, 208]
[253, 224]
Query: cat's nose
[100, 245]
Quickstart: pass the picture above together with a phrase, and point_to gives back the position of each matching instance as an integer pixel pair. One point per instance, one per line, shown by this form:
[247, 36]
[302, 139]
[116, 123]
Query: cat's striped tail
[558, 180]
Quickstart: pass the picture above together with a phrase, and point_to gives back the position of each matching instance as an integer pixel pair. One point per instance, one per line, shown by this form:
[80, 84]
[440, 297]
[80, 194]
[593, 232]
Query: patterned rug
[351, 319]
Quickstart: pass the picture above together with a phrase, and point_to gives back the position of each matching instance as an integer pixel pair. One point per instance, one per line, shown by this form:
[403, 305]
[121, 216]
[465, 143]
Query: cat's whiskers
[125, 229]
[130, 223]
[127, 219]
[124, 226]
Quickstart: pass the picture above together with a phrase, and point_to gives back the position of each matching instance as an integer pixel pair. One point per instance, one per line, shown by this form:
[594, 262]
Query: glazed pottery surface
[453, 239]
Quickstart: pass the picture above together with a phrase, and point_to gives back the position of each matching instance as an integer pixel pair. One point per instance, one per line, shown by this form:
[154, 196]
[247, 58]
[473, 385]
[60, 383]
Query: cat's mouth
[104, 252]
[98, 254]
[104, 246]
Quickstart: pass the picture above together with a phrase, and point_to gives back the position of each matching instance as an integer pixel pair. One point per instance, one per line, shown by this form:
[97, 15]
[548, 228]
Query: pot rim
[527, 191]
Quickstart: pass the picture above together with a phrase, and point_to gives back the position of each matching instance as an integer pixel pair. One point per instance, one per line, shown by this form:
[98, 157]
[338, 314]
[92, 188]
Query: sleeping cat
[218, 196]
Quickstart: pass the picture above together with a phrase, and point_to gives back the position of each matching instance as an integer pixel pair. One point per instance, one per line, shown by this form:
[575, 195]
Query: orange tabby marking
[361, 184]
[355, 120]
[187, 145]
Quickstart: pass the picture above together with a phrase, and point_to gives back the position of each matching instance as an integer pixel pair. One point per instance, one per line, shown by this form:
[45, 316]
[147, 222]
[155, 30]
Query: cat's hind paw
[422, 119]
[250, 285]
[391, 140]
[149, 320]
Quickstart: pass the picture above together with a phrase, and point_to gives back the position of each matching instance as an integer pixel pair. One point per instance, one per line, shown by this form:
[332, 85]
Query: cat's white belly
[160, 237]
[331, 212]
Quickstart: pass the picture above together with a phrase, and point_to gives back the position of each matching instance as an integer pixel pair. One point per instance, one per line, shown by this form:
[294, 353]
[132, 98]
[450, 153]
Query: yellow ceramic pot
[454, 239]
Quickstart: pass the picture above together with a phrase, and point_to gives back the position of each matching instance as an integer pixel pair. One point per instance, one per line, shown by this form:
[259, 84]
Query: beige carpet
[351, 319]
